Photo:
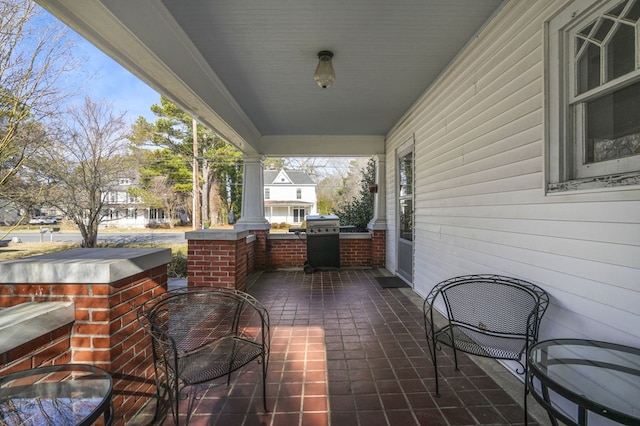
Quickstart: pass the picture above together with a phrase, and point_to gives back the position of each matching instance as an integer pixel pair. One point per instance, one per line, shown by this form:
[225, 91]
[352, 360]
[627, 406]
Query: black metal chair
[203, 333]
[486, 315]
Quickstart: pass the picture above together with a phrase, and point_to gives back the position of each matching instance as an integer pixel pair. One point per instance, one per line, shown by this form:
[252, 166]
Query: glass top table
[68, 394]
[580, 381]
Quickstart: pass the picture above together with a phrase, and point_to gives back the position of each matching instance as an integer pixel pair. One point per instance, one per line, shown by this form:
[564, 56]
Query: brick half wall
[225, 258]
[357, 250]
[105, 331]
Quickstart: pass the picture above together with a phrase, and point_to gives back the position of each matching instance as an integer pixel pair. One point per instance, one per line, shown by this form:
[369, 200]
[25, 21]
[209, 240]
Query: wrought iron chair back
[203, 333]
[486, 315]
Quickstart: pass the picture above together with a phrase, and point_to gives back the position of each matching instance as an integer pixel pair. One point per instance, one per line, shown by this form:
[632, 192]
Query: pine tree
[359, 211]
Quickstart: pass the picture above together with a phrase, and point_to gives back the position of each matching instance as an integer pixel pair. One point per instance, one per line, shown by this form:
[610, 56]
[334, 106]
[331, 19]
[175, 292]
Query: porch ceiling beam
[162, 56]
[322, 145]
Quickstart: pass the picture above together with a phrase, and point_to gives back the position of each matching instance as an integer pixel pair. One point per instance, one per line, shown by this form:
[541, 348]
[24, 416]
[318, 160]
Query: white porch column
[252, 217]
[379, 220]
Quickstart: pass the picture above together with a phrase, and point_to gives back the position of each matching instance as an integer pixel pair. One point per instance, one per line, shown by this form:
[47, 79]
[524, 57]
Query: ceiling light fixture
[325, 75]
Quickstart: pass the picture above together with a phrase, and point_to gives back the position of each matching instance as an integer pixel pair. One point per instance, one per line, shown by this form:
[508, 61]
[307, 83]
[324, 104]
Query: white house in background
[122, 209]
[288, 196]
[126, 211]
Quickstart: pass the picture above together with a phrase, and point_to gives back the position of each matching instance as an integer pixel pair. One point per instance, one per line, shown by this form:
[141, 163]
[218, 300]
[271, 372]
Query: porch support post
[379, 220]
[252, 217]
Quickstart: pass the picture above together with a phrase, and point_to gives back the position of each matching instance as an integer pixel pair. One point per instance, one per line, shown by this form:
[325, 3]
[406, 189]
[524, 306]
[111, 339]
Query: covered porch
[465, 105]
[346, 351]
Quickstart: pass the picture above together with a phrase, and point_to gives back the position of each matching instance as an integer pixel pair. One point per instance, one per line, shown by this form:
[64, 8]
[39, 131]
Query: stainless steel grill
[319, 224]
[323, 242]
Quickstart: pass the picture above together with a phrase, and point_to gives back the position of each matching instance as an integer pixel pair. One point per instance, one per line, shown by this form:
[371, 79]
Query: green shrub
[359, 211]
[178, 266]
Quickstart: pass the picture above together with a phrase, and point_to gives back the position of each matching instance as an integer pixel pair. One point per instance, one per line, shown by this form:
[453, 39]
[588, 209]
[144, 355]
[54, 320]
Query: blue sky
[111, 82]
[99, 77]
[103, 79]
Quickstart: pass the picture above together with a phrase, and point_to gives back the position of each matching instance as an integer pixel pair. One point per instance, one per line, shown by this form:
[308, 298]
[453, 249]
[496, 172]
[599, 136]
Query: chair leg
[435, 368]
[164, 402]
[526, 392]
[264, 383]
[526, 382]
[172, 392]
[174, 400]
[192, 399]
[455, 358]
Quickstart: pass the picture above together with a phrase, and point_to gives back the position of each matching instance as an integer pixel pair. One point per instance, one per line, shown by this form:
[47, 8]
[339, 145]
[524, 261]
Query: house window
[267, 193]
[298, 215]
[298, 194]
[594, 95]
[405, 198]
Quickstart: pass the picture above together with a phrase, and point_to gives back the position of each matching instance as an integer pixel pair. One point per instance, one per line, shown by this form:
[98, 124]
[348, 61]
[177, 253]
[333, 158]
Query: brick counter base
[105, 332]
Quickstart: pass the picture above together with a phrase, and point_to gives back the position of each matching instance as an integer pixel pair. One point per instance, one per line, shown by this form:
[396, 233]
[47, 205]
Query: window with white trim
[593, 90]
[299, 214]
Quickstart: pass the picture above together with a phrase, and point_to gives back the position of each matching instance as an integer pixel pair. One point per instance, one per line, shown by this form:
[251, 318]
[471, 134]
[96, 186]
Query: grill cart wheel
[308, 269]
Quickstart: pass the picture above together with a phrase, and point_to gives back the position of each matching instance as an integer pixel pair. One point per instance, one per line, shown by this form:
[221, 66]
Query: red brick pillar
[378, 248]
[218, 258]
[242, 264]
[261, 249]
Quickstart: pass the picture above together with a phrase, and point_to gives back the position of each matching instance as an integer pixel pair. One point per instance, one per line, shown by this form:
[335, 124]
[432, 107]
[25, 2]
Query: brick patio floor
[347, 352]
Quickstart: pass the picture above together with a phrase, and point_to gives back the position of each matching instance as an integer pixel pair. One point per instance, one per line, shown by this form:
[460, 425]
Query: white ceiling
[245, 67]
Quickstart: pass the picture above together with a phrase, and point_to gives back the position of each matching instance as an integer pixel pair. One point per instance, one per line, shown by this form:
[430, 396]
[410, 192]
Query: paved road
[103, 237]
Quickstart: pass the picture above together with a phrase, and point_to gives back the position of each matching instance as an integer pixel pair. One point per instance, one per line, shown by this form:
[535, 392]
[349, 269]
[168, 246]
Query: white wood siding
[289, 193]
[480, 201]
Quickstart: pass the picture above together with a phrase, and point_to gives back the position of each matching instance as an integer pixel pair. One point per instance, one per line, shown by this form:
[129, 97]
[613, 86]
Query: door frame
[405, 149]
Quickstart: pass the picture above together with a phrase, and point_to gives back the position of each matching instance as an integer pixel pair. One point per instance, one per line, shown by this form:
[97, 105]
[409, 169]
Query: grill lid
[322, 220]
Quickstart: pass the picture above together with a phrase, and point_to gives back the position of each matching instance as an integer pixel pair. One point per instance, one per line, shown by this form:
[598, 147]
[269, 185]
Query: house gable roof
[287, 177]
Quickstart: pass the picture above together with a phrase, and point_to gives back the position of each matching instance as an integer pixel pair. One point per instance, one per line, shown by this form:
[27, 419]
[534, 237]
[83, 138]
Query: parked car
[43, 220]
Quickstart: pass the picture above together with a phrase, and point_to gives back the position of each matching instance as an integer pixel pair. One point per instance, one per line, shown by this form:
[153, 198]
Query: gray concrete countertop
[90, 266]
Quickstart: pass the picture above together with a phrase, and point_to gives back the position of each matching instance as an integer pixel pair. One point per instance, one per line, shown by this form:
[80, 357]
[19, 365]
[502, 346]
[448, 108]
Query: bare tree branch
[35, 57]
[88, 159]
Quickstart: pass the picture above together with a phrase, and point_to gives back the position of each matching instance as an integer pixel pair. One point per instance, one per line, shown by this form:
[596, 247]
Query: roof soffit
[245, 69]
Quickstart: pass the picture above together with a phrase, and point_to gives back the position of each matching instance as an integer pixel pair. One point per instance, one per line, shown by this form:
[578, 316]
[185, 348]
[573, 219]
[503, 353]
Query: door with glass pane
[405, 216]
